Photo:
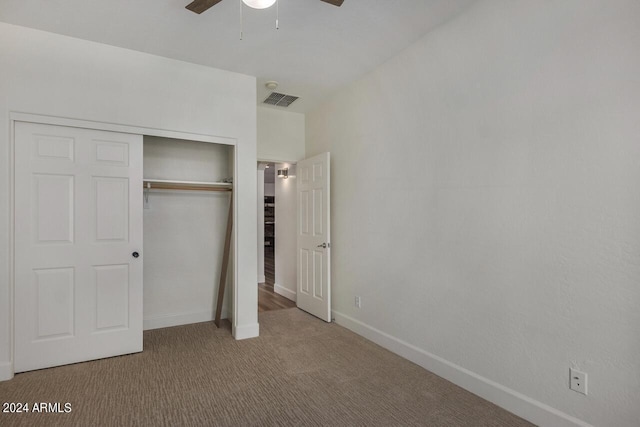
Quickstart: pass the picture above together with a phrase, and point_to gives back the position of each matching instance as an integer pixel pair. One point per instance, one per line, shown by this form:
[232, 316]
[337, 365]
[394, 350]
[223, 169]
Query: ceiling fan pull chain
[241, 20]
[277, 14]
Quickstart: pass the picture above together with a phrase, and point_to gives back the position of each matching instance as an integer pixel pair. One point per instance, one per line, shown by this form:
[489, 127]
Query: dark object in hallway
[269, 266]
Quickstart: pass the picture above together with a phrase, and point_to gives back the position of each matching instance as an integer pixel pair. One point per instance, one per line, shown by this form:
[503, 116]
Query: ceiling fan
[199, 6]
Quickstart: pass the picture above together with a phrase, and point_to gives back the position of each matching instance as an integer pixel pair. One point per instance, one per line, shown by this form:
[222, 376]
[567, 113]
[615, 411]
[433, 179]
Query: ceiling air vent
[280, 99]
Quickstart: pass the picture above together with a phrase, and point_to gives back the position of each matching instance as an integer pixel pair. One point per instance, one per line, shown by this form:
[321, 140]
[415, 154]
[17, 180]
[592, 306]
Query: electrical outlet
[578, 381]
[358, 302]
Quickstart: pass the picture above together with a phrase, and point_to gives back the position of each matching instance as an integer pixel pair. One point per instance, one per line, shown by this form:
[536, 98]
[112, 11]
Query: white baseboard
[246, 331]
[262, 279]
[517, 403]
[6, 371]
[287, 293]
[177, 319]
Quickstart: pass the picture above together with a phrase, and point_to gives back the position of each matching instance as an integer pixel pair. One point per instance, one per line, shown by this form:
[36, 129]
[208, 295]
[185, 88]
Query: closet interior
[187, 212]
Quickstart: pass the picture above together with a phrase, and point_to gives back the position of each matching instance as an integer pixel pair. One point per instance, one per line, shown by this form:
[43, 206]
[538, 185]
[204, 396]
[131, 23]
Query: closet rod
[186, 185]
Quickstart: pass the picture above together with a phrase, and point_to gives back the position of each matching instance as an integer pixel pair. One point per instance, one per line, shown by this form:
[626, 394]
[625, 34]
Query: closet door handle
[324, 246]
[135, 254]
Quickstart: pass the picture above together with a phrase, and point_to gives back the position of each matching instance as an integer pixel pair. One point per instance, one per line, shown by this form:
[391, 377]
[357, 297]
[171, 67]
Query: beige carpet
[299, 372]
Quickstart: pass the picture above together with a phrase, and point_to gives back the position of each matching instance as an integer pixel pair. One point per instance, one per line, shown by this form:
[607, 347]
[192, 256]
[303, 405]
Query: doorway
[270, 224]
[276, 236]
[301, 233]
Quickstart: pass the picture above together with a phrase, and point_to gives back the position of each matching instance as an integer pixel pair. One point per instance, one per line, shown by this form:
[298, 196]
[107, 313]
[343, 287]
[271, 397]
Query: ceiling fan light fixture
[259, 4]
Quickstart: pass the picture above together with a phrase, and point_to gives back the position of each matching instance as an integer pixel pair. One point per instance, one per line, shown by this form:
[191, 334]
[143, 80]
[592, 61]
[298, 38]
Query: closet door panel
[111, 296]
[111, 208]
[53, 201]
[78, 219]
[54, 291]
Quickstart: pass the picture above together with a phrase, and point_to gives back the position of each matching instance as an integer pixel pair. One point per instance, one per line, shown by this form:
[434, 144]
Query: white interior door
[78, 222]
[314, 247]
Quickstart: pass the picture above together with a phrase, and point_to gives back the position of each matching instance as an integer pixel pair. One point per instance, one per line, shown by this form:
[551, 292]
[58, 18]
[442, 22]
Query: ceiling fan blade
[334, 2]
[199, 6]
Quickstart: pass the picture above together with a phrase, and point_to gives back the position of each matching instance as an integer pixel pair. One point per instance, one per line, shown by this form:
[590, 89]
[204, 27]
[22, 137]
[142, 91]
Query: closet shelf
[165, 184]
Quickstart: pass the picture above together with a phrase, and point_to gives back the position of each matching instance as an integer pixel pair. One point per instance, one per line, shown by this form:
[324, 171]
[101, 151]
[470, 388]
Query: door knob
[135, 254]
[324, 245]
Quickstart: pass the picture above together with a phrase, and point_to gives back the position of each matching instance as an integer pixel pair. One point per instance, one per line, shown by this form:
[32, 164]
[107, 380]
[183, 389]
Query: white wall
[184, 233]
[43, 73]
[286, 239]
[280, 135]
[485, 205]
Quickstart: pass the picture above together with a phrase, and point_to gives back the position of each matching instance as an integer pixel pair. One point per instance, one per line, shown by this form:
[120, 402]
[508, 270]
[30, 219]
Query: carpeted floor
[299, 372]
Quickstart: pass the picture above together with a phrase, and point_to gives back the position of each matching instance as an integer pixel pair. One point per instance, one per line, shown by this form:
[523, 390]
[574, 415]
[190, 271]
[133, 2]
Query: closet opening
[276, 237]
[187, 195]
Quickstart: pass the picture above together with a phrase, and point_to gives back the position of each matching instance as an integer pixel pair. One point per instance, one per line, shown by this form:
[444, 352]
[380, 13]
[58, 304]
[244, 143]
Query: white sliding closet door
[78, 245]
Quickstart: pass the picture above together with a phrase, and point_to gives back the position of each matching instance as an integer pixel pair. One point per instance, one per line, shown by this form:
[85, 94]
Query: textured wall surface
[485, 200]
[280, 135]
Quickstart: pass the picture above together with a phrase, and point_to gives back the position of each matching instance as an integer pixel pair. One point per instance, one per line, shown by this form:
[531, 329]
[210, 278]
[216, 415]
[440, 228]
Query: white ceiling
[318, 48]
